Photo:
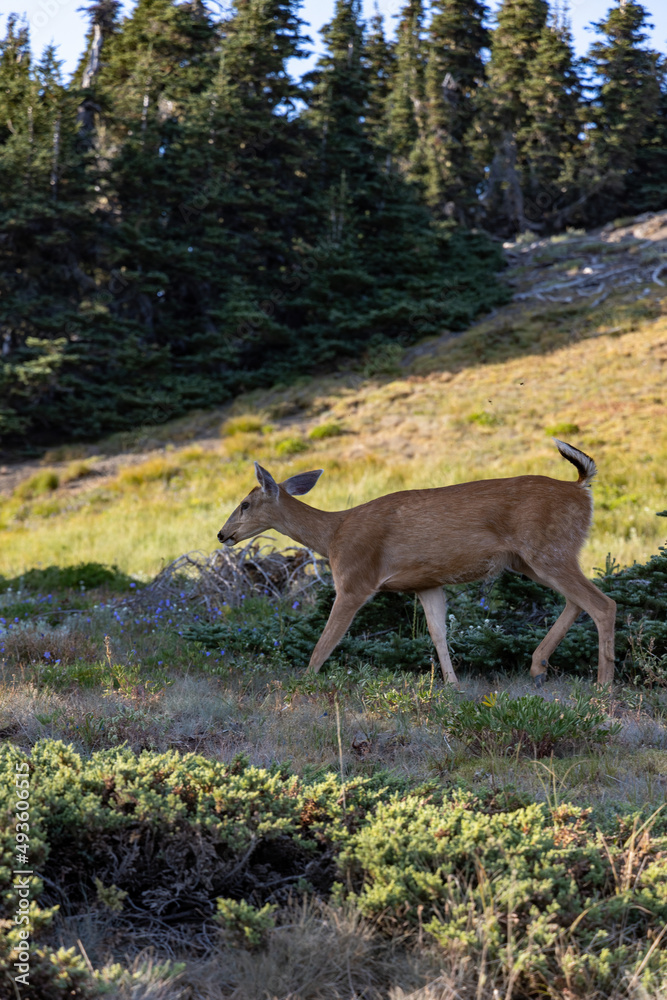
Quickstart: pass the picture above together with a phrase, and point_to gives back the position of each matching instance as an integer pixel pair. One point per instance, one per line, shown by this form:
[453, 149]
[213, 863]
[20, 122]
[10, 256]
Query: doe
[420, 540]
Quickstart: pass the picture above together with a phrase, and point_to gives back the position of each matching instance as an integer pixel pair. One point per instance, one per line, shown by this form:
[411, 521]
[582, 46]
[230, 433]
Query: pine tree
[104, 18]
[407, 95]
[454, 75]
[339, 97]
[16, 85]
[246, 186]
[386, 261]
[47, 229]
[190, 233]
[548, 139]
[514, 43]
[648, 190]
[380, 60]
[625, 108]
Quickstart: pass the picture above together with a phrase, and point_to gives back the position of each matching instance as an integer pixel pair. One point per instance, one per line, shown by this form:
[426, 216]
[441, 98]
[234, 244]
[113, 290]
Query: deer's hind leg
[552, 639]
[580, 595]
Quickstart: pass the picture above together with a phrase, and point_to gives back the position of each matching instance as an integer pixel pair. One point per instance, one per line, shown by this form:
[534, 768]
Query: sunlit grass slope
[482, 405]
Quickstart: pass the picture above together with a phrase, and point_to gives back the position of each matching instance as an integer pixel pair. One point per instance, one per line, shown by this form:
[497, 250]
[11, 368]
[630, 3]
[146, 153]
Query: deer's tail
[584, 464]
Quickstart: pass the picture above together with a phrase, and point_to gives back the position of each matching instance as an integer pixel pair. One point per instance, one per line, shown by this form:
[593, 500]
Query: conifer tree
[339, 97]
[186, 231]
[154, 67]
[625, 109]
[380, 61]
[16, 85]
[514, 42]
[386, 261]
[104, 18]
[454, 74]
[548, 142]
[648, 193]
[407, 94]
[242, 212]
[47, 230]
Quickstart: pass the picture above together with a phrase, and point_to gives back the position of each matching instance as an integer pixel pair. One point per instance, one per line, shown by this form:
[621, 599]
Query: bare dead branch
[228, 576]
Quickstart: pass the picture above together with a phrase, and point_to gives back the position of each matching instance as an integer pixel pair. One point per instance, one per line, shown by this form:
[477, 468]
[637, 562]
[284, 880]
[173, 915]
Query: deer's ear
[302, 483]
[266, 481]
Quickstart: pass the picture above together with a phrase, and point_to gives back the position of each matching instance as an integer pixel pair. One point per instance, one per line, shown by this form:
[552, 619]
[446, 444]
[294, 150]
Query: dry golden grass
[476, 406]
[480, 405]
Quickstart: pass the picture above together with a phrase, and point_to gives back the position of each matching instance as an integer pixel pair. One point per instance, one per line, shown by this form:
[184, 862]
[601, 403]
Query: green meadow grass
[90, 660]
[460, 421]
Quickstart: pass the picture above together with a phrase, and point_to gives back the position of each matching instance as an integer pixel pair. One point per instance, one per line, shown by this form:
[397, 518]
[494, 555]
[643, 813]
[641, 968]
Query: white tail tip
[583, 463]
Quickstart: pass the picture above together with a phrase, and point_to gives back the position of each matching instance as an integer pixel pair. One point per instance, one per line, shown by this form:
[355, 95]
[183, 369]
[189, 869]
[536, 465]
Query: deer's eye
[244, 505]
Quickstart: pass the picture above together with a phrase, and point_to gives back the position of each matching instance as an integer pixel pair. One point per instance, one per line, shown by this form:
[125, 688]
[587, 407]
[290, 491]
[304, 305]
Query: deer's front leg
[434, 604]
[343, 611]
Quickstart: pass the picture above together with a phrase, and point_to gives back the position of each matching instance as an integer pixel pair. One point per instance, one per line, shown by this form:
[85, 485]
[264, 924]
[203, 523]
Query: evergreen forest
[185, 219]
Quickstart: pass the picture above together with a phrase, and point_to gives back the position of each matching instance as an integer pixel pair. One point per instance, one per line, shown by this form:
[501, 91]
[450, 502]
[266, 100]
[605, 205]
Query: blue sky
[58, 21]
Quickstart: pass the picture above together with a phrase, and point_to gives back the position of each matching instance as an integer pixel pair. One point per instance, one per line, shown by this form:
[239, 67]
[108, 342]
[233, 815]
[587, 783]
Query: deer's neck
[307, 525]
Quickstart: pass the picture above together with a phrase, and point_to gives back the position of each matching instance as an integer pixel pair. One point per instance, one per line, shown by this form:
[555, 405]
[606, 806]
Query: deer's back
[450, 534]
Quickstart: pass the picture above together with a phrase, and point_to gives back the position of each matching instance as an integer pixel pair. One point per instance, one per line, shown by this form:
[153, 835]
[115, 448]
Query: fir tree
[104, 17]
[246, 187]
[380, 62]
[16, 84]
[548, 140]
[45, 252]
[339, 97]
[648, 190]
[386, 261]
[625, 109]
[454, 75]
[191, 232]
[407, 95]
[514, 43]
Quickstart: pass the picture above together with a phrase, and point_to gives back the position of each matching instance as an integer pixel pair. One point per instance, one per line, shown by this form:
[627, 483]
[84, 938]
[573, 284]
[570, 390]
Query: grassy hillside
[210, 821]
[578, 355]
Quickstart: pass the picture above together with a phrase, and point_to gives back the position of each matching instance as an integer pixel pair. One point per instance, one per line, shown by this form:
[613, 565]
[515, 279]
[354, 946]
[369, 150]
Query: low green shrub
[83, 576]
[154, 470]
[327, 430]
[246, 925]
[40, 483]
[292, 634]
[529, 725]
[522, 887]
[291, 446]
[157, 835]
[167, 833]
[242, 425]
[562, 430]
[76, 470]
[489, 628]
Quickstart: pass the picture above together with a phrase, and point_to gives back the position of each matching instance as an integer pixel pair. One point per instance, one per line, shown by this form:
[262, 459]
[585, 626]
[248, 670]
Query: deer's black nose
[221, 537]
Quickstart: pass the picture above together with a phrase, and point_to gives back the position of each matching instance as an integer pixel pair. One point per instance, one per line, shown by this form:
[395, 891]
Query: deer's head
[261, 508]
